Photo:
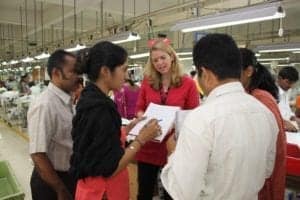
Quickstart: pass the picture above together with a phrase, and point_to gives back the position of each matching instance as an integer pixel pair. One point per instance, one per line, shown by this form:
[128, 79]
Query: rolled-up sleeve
[182, 177]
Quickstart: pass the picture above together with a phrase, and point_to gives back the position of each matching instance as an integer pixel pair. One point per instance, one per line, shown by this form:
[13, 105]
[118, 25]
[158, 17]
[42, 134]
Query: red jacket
[275, 185]
[186, 96]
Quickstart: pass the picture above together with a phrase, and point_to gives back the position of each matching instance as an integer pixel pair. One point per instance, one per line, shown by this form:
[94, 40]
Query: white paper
[164, 114]
[293, 138]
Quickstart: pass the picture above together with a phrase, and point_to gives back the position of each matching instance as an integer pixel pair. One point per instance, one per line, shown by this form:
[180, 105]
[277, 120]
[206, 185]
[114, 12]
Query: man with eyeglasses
[49, 127]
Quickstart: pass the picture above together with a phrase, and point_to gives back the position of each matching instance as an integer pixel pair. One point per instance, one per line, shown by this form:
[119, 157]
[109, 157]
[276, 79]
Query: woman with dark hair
[259, 82]
[99, 157]
[24, 87]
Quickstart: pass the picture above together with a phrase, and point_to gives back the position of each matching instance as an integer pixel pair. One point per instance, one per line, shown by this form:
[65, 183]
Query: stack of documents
[164, 114]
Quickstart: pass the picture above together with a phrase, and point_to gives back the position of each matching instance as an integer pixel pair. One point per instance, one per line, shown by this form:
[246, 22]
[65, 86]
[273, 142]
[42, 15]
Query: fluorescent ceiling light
[141, 55]
[275, 59]
[42, 56]
[265, 63]
[296, 51]
[284, 65]
[76, 48]
[256, 13]
[4, 63]
[187, 58]
[37, 67]
[184, 53]
[27, 59]
[123, 37]
[257, 55]
[12, 62]
[296, 63]
[280, 65]
[278, 48]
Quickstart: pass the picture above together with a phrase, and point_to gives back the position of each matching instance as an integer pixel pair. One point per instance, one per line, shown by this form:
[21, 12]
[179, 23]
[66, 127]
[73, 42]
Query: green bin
[9, 185]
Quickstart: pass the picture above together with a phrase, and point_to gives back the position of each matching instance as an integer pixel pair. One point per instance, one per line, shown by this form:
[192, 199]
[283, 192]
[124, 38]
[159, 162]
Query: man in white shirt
[287, 77]
[49, 127]
[226, 147]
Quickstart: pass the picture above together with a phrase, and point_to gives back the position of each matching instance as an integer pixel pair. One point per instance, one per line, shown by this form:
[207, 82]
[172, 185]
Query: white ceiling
[164, 13]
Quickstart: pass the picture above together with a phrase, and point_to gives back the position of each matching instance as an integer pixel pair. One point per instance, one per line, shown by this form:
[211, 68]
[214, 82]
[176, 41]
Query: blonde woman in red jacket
[163, 84]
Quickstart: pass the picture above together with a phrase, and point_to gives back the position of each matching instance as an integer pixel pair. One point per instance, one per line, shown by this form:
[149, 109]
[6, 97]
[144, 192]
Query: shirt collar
[281, 91]
[66, 98]
[226, 88]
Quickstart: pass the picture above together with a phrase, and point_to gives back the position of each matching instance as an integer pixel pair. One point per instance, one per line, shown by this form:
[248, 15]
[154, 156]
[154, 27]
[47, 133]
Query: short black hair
[289, 73]
[218, 53]
[103, 54]
[57, 60]
[193, 73]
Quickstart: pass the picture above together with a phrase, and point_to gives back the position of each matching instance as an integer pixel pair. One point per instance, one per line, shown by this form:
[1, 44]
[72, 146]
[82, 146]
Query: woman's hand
[133, 123]
[151, 130]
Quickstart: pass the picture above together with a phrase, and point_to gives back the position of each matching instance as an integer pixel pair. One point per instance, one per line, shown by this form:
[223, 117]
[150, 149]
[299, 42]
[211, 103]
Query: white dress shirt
[284, 104]
[225, 150]
[49, 126]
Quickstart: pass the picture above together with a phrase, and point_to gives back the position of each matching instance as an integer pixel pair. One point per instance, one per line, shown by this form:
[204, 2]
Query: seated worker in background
[297, 111]
[222, 152]
[24, 85]
[287, 77]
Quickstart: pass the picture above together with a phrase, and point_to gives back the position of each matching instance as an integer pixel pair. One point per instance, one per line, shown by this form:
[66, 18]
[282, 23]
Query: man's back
[225, 147]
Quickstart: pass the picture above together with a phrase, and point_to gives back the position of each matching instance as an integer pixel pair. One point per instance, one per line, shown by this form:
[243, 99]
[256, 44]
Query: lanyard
[163, 96]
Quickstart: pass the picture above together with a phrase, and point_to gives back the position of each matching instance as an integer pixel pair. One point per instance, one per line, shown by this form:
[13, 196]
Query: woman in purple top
[126, 99]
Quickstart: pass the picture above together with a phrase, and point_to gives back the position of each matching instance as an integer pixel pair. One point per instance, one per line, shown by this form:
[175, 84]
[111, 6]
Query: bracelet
[139, 141]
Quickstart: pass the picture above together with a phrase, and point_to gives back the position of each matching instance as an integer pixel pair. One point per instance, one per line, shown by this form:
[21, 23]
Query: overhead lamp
[280, 65]
[123, 37]
[284, 65]
[184, 53]
[27, 59]
[141, 55]
[257, 55]
[12, 62]
[37, 67]
[275, 59]
[42, 56]
[76, 48]
[4, 63]
[278, 48]
[296, 51]
[187, 58]
[295, 63]
[256, 13]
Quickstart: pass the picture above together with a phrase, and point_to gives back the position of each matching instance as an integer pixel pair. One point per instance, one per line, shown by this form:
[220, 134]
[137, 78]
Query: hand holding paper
[165, 115]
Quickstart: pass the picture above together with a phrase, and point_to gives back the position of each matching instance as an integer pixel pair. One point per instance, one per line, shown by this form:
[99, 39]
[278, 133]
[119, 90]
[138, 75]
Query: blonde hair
[154, 77]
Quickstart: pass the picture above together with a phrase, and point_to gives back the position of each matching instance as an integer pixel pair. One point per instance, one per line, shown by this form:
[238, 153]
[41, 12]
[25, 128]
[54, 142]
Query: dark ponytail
[261, 78]
[101, 54]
